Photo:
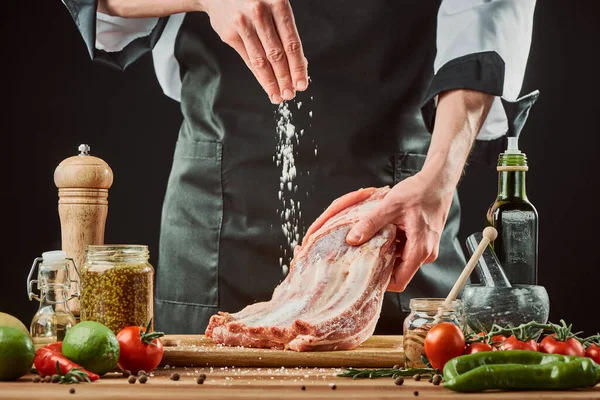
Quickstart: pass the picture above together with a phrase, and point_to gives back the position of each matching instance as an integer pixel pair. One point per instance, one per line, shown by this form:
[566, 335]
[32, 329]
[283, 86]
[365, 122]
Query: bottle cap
[513, 146]
[54, 256]
[83, 171]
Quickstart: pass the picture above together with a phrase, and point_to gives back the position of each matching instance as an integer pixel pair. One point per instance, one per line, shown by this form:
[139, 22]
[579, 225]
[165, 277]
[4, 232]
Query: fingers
[286, 27]
[414, 254]
[264, 33]
[370, 224]
[259, 64]
[336, 206]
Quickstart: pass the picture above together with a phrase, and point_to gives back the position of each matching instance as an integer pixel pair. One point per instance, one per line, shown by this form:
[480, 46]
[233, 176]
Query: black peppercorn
[303, 387]
[47, 378]
[203, 376]
[72, 390]
[131, 379]
[143, 379]
[55, 378]
[417, 377]
[126, 373]
[437, 379]
[36, 379]
[142, 372]
[174, 376]
[399, 381]
[199, 380]
[416, 393]
[333, 387]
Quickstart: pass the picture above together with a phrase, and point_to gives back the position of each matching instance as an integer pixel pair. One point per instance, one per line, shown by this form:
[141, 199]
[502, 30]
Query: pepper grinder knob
[83, 182]
[84, 150]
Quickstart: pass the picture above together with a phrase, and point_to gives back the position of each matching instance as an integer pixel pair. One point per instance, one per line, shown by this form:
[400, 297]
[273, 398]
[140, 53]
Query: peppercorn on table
[263, 383]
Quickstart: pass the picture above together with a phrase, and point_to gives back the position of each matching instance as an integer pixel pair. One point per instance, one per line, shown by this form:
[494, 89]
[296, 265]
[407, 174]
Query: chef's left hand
[419, 210]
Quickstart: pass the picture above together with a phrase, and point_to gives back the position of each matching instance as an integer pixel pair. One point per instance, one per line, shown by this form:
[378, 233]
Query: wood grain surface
[258, 383]
[198, 350]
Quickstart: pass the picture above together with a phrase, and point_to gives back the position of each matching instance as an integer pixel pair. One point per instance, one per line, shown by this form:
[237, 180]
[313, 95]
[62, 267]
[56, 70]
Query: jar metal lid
[434, 304]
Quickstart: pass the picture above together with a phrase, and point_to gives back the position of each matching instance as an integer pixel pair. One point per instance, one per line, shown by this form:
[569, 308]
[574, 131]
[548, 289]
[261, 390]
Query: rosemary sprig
[385, 372]
[75, 375]
[147, 337]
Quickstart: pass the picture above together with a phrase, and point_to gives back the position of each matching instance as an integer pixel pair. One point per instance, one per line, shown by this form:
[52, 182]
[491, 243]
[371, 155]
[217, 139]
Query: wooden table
[257, 383]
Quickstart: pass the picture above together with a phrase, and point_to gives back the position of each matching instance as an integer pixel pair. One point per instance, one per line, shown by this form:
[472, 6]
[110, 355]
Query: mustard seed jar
[117, 286]
[424, 314]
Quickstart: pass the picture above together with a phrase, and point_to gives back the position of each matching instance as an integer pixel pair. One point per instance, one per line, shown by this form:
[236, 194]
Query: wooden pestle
[489, 235]
[83, 182]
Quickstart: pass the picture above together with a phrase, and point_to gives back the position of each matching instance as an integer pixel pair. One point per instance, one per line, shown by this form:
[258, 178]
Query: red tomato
[443, 342]
[593, 352]
[570, 347]
[139, 350]
[477, 347]
[498, 339]
[512, 343]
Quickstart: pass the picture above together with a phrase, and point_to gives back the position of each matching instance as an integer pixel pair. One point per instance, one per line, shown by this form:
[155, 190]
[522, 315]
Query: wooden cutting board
[200, 351]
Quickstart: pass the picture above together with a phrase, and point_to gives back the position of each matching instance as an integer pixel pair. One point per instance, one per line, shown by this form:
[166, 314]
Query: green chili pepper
[519, 370]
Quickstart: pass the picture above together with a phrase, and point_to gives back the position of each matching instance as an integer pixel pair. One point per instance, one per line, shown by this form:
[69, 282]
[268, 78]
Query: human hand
[264, 34]
[419, 208]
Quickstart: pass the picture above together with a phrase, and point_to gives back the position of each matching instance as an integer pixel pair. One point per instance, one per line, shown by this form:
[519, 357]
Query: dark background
[56, 98]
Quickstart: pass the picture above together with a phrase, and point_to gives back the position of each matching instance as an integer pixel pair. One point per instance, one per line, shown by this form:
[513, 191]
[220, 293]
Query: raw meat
[331, 298]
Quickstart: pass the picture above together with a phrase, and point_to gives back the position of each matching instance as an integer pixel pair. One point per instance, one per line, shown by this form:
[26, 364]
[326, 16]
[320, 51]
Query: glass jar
[117, 286]
[424, 314]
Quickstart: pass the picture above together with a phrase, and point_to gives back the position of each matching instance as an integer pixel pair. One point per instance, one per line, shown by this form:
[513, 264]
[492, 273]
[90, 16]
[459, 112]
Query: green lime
[16, 353]
[13, 322]
[93, 346]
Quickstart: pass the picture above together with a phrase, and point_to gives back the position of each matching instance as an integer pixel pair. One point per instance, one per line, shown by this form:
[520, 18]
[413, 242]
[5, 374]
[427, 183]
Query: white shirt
[463, 27]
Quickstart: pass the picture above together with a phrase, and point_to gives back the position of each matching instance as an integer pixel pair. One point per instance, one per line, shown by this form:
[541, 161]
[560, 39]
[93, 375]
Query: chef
[397, 93]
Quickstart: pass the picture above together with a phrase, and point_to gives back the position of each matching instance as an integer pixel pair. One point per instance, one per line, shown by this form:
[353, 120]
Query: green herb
[75, 375]
[384, 372]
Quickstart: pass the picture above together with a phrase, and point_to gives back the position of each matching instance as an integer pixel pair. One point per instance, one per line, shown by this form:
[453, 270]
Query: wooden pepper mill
[83, 182]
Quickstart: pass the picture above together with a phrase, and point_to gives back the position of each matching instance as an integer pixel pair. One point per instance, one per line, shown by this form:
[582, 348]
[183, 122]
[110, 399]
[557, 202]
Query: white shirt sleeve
[114, 33]
[165, 63]
[503, 26]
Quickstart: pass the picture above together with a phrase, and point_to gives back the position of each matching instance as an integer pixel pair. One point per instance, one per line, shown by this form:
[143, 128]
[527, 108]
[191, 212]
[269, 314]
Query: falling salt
[287, 144]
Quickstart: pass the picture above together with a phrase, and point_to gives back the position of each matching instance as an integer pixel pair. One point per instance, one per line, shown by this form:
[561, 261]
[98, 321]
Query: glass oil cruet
[52, 320]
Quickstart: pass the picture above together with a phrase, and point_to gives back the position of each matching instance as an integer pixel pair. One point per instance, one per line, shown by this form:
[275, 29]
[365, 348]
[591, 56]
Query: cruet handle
[77, 293]
[30, 282]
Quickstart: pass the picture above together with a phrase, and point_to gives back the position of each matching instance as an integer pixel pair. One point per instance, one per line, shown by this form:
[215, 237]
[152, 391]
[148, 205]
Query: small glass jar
[117, 286]
[424, 314]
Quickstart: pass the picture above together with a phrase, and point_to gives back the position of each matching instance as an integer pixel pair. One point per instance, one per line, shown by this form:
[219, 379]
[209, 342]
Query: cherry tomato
[512, 343]
[570, 347]
[593, 352]
[442, 343]
[139, 350]
[498, 339]
[477, 347]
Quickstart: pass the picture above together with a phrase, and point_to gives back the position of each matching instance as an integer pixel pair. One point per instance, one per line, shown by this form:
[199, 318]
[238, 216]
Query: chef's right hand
[264, 33]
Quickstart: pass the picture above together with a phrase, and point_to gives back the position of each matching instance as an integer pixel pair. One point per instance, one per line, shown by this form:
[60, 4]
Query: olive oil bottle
[515, 218]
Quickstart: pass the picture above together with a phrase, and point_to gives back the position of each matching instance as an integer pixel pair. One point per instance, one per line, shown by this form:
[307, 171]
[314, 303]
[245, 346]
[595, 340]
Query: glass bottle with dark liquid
[515, 219]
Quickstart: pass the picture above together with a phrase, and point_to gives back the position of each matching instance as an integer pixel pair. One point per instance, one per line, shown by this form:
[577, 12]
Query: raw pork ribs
[331, 298]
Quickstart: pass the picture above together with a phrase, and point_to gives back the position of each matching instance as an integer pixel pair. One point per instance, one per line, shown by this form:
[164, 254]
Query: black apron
[370, 63]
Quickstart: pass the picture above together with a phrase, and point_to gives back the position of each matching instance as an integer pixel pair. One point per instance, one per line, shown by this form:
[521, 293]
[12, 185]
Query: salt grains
[288, 140]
